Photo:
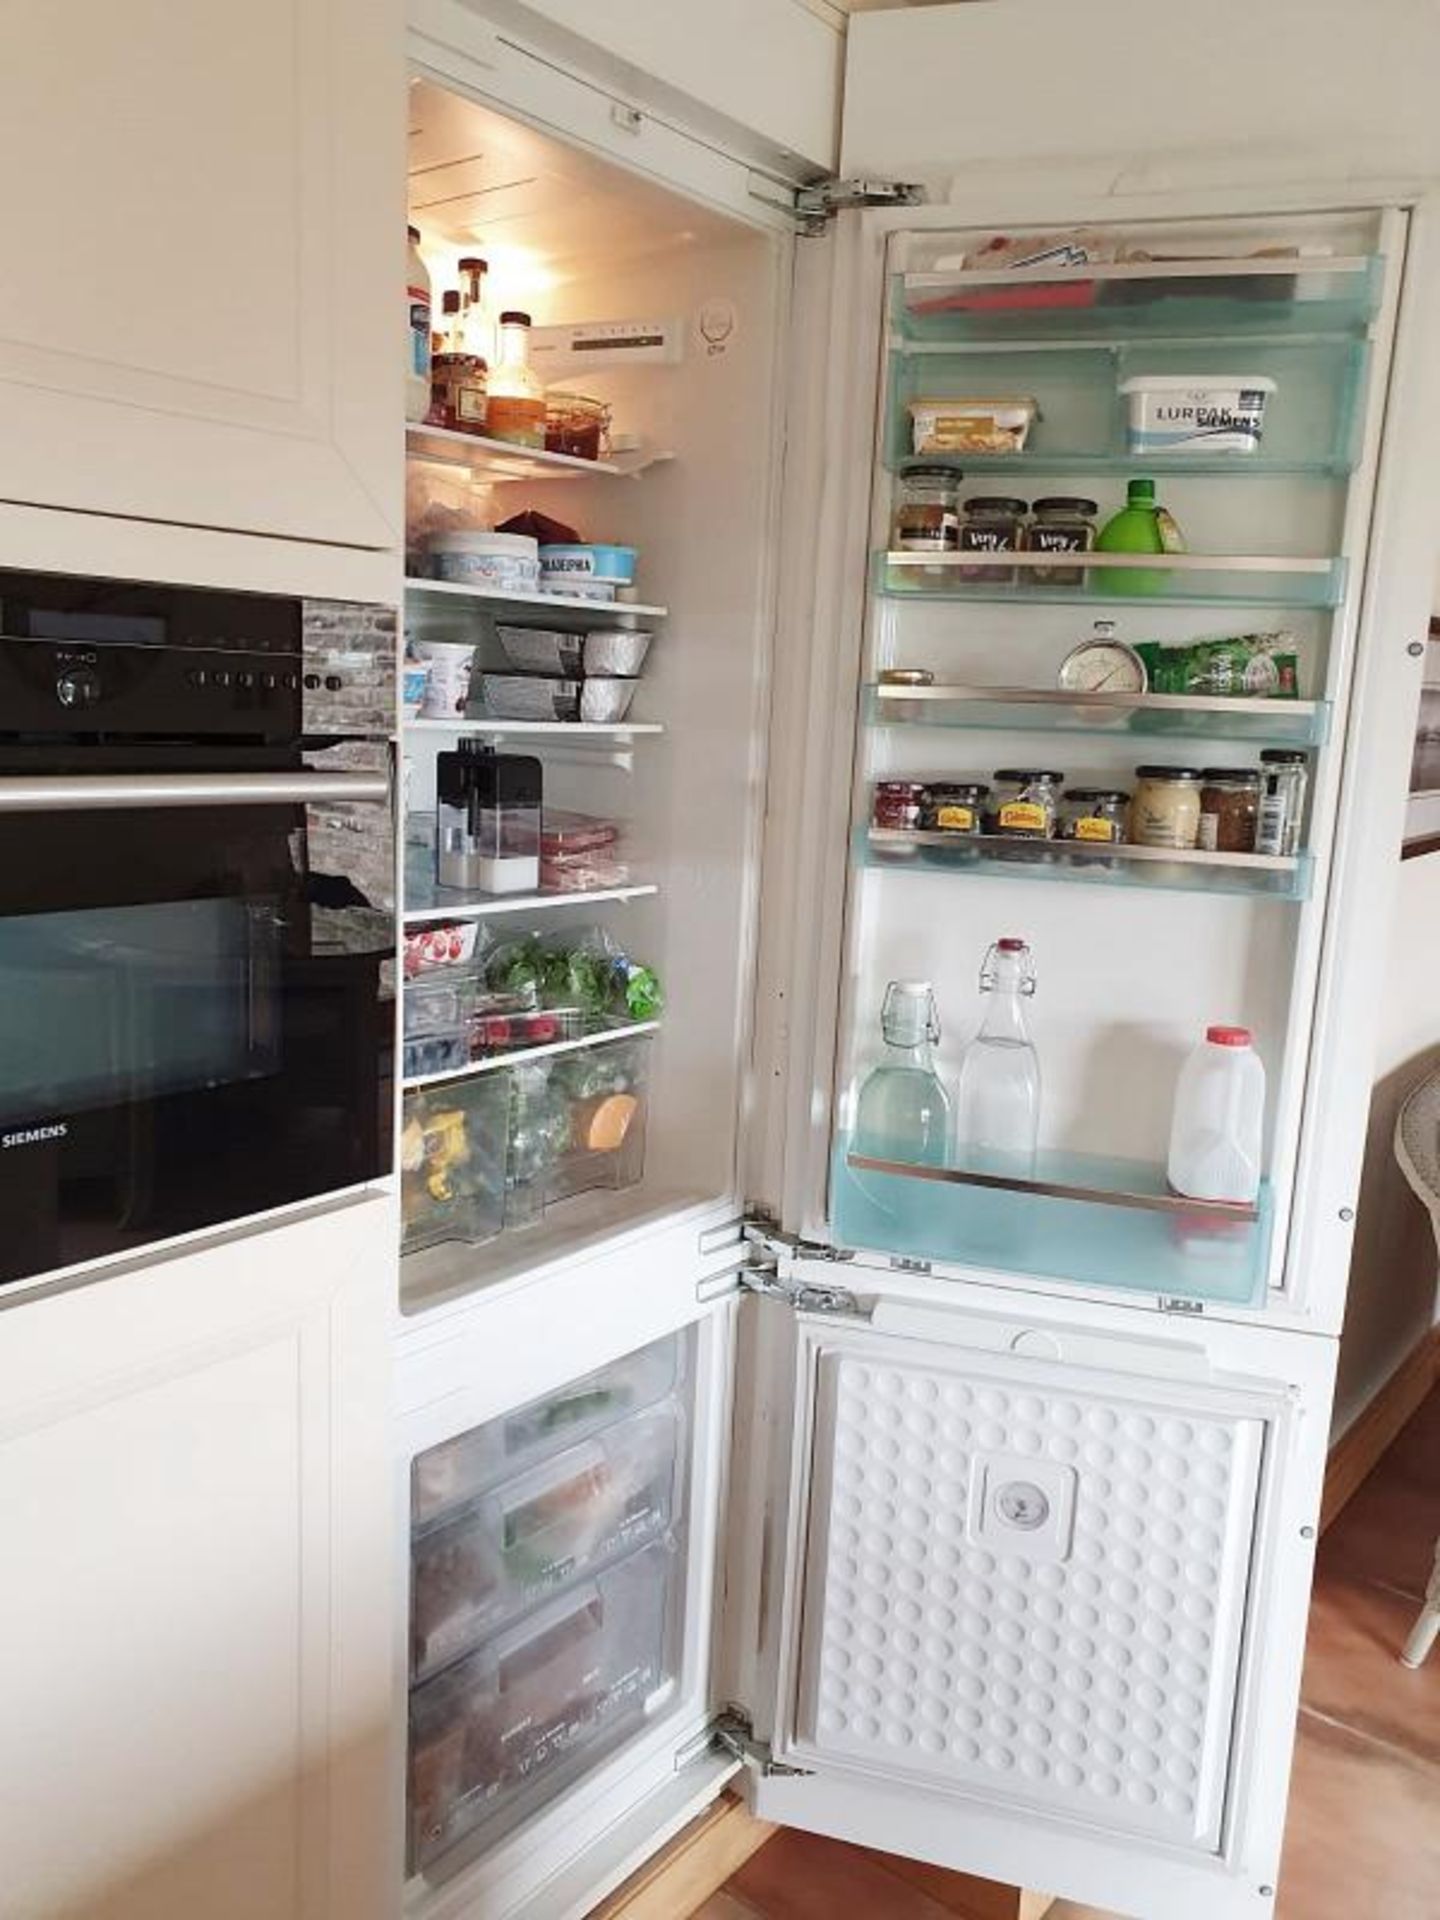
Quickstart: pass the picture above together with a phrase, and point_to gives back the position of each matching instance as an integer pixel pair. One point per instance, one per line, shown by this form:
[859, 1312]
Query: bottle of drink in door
[903, 1110]
[998, 1106]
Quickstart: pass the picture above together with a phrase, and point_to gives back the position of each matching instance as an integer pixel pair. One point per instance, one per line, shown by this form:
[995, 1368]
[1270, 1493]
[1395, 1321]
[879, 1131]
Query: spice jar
[1093, 814]
[993, 523]
[1229, 809]
[1062, 523]
[897, 804]
[954, 806]
[927, 515]
[575, 425]
[1165, 811]
[1284, 774]
[1024, 803]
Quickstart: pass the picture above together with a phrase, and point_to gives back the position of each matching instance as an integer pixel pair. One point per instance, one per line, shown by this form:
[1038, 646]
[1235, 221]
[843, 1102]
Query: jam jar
[1229, 809]
[955, 806]
[1094, 814]
[1165, 811]
[927, 512]
[1024, 803]
[993, 524]
[1062, 523]
[897, 805]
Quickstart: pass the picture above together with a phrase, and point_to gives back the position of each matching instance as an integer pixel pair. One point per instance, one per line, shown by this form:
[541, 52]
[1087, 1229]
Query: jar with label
[1284, 775]
[993, 523]
[954, 806]
[1165, 811]
[1093, 814]
[1062, 523]
[897, 804]
[1229, 809]
[927, 512]
[1024, 803]
[458, 392]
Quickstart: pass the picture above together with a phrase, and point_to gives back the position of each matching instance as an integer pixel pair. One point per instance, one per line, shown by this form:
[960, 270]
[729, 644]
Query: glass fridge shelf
[1122, 579]
[996, 857]
[1287, 723]
[1072, 1216]
[1041, 462]
[1150, 300]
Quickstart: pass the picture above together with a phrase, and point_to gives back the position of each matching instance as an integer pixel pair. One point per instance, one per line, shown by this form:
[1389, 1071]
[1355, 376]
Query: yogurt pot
[562, 567]
[446, 692]
[1196, 412]
[508, 562]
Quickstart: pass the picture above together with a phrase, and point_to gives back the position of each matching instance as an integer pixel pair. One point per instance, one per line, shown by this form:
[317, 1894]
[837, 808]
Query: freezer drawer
[503, 1730]
[447, 1476]
[566, 1517]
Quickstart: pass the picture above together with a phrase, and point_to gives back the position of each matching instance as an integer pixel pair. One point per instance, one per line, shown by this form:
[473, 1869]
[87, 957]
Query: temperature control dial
[78, 687]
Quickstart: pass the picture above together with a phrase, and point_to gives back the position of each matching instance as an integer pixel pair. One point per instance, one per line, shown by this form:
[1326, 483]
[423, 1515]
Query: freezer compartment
[504, 1729]
[1077, 1217]
[566, 1518]
[452, 1162]
[446, 1477]
[577, 1123]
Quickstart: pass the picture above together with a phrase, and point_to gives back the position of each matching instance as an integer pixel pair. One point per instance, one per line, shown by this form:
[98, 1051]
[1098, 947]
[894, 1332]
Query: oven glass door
[196, 1014]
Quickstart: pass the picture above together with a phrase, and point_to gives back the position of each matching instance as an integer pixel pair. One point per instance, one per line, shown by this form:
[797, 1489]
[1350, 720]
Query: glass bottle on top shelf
[477, 325]
[903, 1110]
[1141, 526]
[998, 1102]
[516, 410]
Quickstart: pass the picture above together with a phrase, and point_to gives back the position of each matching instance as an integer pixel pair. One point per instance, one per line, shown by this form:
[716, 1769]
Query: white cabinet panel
[193, 1473]
[204, 210]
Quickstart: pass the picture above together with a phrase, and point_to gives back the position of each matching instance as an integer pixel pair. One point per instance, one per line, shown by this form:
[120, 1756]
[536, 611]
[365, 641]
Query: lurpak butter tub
[1196, 412]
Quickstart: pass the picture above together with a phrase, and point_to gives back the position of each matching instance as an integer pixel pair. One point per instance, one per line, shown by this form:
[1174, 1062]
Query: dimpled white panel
[1083, 1664]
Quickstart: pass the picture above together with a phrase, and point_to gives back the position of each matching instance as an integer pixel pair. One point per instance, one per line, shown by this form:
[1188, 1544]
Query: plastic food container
[1196, 412]
[605, 700]
[575, 425]
[446, 1476]
[575, 1676]
[977, 425]
[567, 1517]
[414, 678]
[562, 565]
[446, 946]
[576, 1123]
[452, 1162]
[578, 853]
[518, 696]
[617, 652]
[508, 562]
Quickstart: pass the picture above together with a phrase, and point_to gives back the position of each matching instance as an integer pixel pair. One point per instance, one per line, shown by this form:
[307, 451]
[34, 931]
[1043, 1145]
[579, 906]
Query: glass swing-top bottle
[903, 1111]
[998, 1104]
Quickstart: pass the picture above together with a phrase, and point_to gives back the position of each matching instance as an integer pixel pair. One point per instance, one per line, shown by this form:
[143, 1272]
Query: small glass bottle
[903, 1111]
[998, 1105]
[477, 328]
[516, 401]
[1282, 801]
[927, 510]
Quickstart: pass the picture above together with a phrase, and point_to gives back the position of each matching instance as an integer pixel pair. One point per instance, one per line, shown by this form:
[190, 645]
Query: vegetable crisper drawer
[457, 1471]
[567, 1517]
[500, 1731]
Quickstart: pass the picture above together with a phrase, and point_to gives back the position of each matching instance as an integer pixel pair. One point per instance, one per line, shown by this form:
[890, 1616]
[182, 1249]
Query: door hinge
[770, 1250]
[733, 1732]
[815, 206]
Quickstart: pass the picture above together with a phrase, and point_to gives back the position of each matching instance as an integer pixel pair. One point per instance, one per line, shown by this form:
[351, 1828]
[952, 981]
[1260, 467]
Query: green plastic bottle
[1141, 526]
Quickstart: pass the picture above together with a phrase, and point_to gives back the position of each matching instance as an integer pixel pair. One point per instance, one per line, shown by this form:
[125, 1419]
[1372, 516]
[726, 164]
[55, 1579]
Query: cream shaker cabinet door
[195, 1635]
[201, 313]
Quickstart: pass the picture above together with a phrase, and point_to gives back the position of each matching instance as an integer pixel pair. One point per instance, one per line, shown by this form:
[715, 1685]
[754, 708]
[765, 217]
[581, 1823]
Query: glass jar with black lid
[1060, 523]
[992, 524]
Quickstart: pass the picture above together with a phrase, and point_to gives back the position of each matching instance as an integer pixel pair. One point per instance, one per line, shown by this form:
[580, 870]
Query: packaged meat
[563, 834]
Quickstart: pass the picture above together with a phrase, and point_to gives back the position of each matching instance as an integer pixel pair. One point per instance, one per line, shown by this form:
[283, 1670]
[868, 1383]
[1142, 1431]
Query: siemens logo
[28, 1136]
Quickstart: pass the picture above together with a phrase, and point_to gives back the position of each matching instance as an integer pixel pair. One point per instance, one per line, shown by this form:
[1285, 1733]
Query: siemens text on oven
[27, 1136]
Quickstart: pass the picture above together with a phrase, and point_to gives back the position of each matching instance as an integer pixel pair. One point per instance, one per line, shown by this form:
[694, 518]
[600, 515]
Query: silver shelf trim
[1082, 849]
[1105, 702]
[1302, 267]
[1155, 562]
[1058, 1190]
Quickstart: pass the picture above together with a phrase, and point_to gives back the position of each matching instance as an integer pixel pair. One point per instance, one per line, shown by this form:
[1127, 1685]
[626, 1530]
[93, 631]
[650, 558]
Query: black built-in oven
[196, 910]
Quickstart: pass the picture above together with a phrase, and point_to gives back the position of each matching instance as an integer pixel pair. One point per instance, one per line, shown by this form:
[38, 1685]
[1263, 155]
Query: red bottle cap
[1229, 1036]
[1010, 946]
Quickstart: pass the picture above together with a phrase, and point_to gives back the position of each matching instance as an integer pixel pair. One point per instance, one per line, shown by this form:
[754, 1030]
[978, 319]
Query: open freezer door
[1034, 1579]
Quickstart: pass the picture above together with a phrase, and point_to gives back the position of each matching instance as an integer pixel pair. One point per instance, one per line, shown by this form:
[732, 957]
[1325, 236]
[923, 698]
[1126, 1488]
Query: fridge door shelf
[561, 1520]
[1262, 299]
[1080, 1217]
[994, 856]
[1297, 723]
[1126, 579]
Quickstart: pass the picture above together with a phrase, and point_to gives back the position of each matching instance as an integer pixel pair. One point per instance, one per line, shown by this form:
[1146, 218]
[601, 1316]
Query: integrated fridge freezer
[971, 1522]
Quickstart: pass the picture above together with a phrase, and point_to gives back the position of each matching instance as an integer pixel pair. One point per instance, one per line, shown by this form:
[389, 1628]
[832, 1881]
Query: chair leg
[1426, 1630]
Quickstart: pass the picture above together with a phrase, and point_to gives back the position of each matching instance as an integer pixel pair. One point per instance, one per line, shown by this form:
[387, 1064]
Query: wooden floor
[1364, 1831]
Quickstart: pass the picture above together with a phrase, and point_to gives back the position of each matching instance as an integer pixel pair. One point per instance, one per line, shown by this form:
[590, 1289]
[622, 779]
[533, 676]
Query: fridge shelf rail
[1092, 1219]
[996, 856]
[502, 460]
[580, 614]
[1141, 300]
[517, 1056]
[425, 902]
[1125, 579]
[1300, 723]
[578, 731]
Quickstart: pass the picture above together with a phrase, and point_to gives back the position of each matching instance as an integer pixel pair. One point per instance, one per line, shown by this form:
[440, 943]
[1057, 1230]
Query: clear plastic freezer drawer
[457, 1471]
[565, 1518]
[499, 1732]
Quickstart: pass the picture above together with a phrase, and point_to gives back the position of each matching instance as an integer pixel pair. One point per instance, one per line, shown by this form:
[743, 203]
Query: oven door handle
[66, 793]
